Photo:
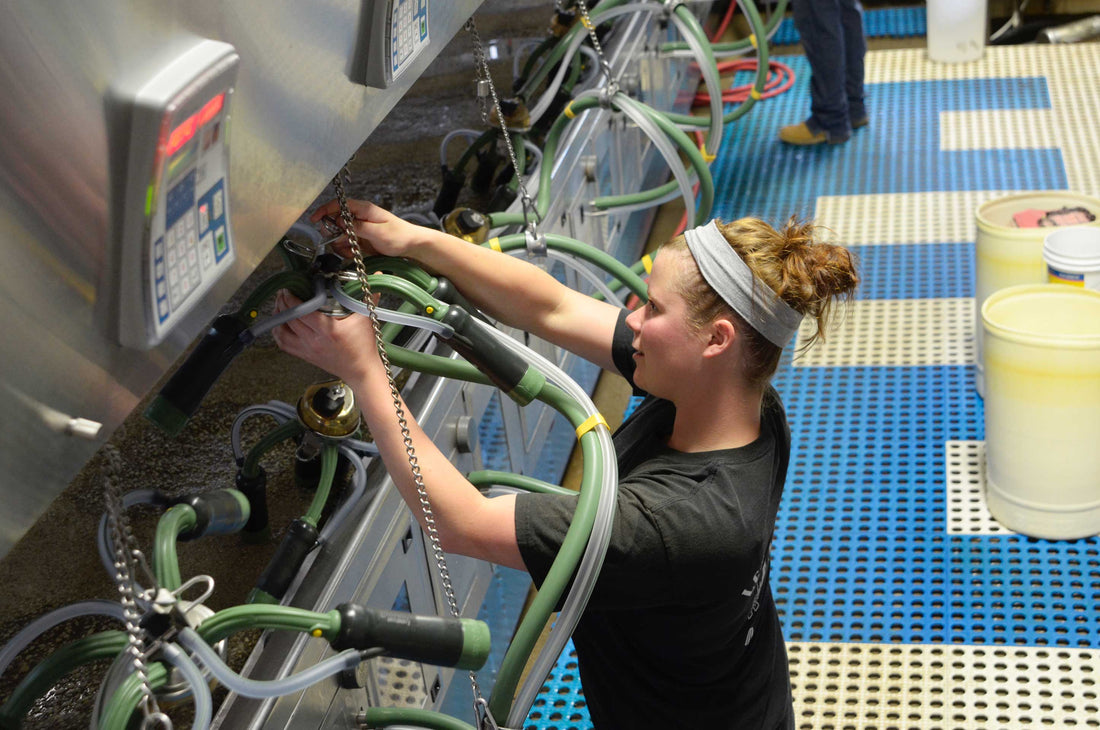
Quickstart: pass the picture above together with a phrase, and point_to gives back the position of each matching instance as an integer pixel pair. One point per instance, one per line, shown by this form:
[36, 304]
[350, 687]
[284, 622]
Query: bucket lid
[995, 216]
[1046, 315]
[1080, 244]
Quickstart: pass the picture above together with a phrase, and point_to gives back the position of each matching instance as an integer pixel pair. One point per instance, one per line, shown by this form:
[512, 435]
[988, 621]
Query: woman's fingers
[379, 231]
[330, 208]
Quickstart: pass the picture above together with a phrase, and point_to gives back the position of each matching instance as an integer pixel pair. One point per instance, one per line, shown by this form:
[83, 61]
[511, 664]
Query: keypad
[409, 30]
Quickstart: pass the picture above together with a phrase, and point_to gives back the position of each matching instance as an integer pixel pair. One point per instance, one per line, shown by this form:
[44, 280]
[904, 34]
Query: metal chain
[485, 82]
[586, 20]
[403, 423]
[128, 559]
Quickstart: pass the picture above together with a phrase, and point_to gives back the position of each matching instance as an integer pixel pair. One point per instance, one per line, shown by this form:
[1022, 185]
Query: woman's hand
[381, 231]
[343, 347]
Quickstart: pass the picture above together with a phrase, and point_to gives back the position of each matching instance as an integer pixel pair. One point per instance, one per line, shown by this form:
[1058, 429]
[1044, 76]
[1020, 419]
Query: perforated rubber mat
[877, 23]
[904, 604]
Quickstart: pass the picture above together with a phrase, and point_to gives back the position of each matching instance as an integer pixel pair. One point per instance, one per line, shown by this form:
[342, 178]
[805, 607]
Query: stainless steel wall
[296, 119]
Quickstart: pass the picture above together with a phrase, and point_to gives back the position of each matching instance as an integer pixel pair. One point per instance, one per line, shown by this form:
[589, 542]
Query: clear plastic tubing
[388, 315]
[640, 116]
[710, 80]
[311, 305]
[582, 270]
[358, 488]
[200, 690]
[103, 538]
[42, 624]
[592, 560]
[264, 689]
[470, 134]
[281, 412]
[645, 204]
[709, 71]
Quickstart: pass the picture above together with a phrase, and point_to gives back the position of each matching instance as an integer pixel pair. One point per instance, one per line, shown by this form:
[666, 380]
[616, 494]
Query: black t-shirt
[681, 629]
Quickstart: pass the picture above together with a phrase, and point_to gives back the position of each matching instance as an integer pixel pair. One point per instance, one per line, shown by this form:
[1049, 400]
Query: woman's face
[668, 348]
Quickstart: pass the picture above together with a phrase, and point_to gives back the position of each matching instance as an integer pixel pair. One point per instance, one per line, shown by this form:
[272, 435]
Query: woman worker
[681, 630]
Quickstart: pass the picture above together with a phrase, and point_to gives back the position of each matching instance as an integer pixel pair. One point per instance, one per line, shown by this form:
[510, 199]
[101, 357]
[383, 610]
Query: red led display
[186, 129]
[211, 109]
[180, 135]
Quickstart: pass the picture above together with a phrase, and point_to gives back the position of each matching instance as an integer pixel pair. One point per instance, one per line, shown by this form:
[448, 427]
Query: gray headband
[734, 281]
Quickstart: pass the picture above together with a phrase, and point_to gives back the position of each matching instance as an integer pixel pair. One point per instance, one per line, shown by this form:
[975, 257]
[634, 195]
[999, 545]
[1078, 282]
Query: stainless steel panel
[296, 119]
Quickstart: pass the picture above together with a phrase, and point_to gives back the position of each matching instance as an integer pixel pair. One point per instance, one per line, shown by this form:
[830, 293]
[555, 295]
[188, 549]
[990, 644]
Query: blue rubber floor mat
[908, 22]
[893, 620]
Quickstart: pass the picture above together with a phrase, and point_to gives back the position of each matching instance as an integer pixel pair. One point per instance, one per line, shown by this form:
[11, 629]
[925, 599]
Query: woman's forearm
[522, 295]
[507, 288]
[467, 522]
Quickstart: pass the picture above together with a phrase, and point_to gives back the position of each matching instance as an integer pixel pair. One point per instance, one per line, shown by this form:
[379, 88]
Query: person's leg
[855, 47]
[822, 35]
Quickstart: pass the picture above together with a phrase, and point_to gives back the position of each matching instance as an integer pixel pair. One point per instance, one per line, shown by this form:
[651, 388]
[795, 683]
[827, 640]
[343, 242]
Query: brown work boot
[801, 134]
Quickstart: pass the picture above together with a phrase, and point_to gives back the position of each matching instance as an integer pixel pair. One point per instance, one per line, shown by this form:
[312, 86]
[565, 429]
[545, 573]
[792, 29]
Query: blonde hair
[807, 274]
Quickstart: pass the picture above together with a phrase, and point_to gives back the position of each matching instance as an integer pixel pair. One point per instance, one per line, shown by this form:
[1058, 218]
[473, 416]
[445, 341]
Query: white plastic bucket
[1042, 410]
[1072, 256]
[1006, 255]
[957, 30]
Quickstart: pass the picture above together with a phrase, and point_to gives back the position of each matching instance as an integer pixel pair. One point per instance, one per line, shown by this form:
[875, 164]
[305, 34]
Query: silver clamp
[536, 242]
[606, 95]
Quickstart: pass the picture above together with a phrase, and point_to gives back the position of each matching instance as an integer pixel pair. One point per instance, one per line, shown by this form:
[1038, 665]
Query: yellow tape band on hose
[569, 113]
[752, 40]
[590, 423]
[707, 157]
[494, 243]
[755, 94]
[647, 263]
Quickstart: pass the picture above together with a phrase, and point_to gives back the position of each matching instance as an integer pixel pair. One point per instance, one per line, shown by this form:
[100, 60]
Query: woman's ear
[722, 333]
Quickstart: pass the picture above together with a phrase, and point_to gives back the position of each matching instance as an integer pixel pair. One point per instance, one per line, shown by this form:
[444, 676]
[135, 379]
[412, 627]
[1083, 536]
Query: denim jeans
[832, 37]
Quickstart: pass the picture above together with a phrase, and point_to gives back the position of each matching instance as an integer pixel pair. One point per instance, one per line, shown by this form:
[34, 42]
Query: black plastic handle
[506, 369]
[440, 640]
[184, 391]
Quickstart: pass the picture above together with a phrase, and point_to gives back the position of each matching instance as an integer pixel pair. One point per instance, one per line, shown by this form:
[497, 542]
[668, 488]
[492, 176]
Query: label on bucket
[1090, 280]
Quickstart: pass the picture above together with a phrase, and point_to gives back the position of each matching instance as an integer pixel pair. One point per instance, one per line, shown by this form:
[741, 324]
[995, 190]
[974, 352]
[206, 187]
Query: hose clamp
[536, 242]
[607, 94]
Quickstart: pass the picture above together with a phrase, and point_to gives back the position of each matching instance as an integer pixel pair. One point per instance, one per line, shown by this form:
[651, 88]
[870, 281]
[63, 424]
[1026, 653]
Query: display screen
[185, 131]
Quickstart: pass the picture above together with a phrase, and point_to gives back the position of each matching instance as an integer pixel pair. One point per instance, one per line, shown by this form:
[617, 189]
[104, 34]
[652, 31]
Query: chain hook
[483, 716]
[530, 214]
[156, 719]
[586, 21]
[485, 82]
